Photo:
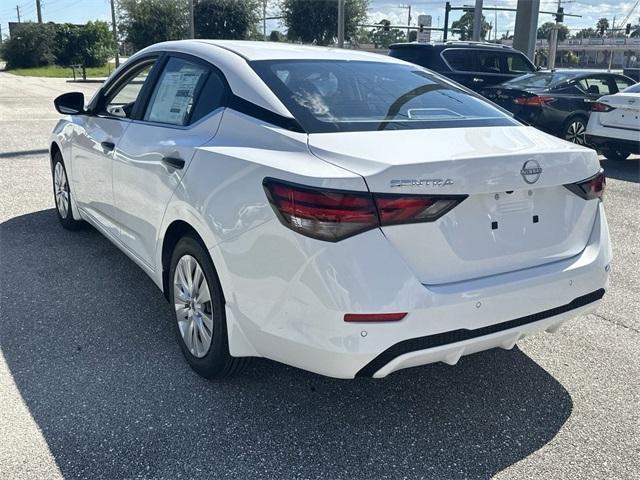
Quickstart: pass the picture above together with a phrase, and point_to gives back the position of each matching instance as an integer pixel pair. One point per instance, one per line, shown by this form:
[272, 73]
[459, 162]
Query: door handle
[176, 163]
[108, 146]
[478, 80]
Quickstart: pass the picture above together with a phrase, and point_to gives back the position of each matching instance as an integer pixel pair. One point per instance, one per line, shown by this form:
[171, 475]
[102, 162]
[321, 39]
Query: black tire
[217, 362]
[64, 211]
[574, 130]
[615, 154]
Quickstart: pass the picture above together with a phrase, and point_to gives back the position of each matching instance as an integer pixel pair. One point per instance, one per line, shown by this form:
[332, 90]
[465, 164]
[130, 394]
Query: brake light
[396, 209]
[374, 317]
[601, 107]
[591, 188]
[333, 215]
[535, 101]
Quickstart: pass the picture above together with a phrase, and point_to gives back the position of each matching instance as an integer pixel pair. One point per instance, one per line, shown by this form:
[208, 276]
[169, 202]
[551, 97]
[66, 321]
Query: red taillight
[334, 215]
[395, 209]
[601, 107]
[535, 101]
[590, 188]
[324, 214]
[374, 317]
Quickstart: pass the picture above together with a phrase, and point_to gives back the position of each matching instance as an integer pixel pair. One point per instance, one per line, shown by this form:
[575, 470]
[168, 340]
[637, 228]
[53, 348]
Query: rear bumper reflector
[374, 317]
[445, 338]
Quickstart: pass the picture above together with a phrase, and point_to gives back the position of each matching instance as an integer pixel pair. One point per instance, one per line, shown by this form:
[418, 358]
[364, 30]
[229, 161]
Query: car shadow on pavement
[628, 170]
[88, 340]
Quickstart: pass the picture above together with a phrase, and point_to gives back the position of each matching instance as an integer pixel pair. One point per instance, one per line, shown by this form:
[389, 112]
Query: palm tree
[602, 25]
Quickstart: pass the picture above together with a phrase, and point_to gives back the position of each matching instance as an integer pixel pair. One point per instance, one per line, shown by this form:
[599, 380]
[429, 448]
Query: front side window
[331, 96]
[516, 64]
[623, 83]
[120, 103]
[489, 62]
[174, 96]
[595, 85]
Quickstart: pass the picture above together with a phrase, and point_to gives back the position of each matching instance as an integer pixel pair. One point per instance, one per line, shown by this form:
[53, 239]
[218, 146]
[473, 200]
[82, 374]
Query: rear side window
[333, 96]
[175, 93]
[460, 60]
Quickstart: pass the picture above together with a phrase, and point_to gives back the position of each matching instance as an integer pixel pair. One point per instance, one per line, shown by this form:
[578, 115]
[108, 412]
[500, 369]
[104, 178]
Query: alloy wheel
[61, 190]
[192, 301]
[575, 132]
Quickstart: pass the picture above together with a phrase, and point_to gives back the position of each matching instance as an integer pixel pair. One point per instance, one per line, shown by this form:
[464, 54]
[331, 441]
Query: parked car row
[559, 102]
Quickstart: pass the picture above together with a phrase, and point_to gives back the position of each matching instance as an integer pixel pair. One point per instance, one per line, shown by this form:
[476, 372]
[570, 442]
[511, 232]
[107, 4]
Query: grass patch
[56, 71]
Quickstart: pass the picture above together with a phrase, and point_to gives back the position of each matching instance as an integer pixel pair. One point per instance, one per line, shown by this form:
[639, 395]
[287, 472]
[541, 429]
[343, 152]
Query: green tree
[31, 46]
[276, 36]
[229, 19]
[317, 20]
[90, 45]
[145, 22]
[602, 26]
[544, 31]
[586, 33]
[466, 25]
[382, 38]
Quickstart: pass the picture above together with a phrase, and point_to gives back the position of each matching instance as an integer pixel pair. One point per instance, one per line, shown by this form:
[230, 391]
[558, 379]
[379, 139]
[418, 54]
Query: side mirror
[71, 103]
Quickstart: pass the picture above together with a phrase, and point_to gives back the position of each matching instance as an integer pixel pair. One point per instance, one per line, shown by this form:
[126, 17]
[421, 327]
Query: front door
[95, 145]
[183, 112]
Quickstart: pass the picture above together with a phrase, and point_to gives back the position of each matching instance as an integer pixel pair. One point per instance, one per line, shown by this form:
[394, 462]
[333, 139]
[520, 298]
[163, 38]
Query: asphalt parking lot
[93, 384]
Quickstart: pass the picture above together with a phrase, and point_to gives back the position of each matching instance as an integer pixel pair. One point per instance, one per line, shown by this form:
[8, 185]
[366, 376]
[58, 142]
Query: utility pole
[192, 25]
[613, 29]
[18, 10]
[115, 32]
[447, 9]
[553, 41]
[408, 7]
[264, 19]
[477, 21]
[340, 23]
[39, 11]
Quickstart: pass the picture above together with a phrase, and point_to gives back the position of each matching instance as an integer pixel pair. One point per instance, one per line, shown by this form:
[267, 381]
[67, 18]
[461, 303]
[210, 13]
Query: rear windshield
[335, 95]
[633, 89]
[540, 79]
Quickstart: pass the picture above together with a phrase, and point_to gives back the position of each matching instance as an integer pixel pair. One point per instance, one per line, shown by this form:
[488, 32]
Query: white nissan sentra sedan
[342, 212]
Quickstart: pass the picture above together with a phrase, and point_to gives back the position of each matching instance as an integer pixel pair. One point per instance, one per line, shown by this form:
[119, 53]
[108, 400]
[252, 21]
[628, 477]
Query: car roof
[232, 57]
[257, 50]
[454, 44]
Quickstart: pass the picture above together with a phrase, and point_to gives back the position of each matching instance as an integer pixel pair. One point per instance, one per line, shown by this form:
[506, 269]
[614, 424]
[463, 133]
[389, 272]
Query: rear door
[462, 63]
[183, 111]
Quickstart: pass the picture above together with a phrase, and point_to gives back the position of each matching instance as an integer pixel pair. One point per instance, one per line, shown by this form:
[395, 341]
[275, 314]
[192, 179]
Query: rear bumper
[294, 313]
[601, 143]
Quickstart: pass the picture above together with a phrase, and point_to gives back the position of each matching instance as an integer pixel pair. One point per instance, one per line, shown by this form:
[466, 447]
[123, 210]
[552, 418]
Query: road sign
[424, 36]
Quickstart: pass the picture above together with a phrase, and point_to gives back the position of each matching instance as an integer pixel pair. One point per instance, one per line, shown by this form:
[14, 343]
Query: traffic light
[627, 30]
[560, 15]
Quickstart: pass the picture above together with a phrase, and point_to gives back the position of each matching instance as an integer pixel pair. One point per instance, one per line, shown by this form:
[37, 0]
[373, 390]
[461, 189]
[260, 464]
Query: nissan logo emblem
[531, 171]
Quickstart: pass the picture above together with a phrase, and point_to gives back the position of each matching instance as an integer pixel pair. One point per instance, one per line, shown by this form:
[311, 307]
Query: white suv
[614, 124]
[346, 213]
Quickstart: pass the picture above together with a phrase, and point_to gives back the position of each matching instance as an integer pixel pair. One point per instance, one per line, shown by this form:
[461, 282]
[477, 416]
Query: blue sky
[80, 11]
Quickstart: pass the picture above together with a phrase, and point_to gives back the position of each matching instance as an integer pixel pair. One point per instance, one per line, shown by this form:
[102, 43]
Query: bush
[37, 45]
[31, 46]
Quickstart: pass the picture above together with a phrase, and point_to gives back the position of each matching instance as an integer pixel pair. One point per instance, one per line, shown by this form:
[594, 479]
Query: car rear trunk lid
[518, 214]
